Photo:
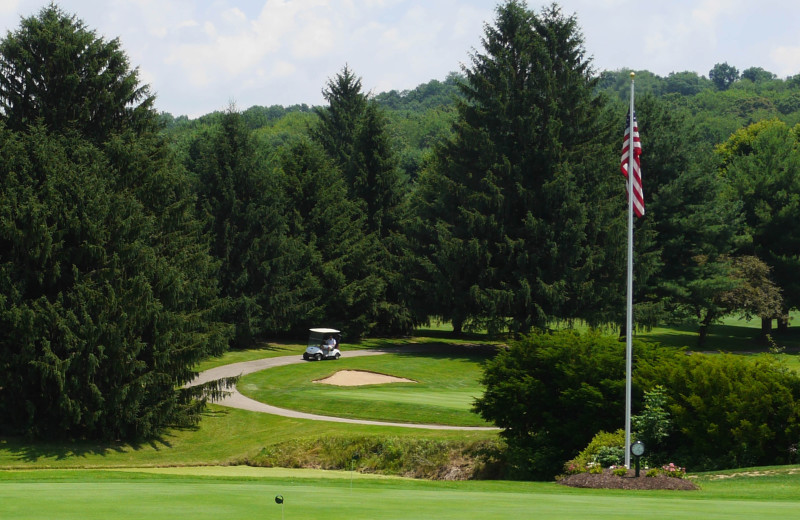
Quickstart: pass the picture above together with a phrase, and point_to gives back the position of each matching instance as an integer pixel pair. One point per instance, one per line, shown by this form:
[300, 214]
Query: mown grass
[730, 335]
[213, 493]
[224, 436]
[192, 472]
[443, 392]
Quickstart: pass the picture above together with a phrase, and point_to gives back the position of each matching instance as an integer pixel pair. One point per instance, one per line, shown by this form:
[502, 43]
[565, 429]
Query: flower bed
[608, 480]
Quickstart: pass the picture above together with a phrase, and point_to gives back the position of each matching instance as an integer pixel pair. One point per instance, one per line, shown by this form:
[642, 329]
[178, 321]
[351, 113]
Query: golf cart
[323, 344]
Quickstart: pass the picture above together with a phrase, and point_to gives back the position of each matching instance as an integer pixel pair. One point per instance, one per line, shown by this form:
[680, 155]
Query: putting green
[443, 392]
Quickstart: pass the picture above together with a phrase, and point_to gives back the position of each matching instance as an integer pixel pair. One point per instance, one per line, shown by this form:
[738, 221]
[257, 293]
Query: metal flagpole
[629, 320]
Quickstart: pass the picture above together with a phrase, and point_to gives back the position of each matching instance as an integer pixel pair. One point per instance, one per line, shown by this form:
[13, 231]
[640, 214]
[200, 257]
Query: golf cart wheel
[337, 356]
[318, 356]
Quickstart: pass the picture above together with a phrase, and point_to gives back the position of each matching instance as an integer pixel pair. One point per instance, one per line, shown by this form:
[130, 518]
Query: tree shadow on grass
[436, 350]
[28, 451]
[725, 338]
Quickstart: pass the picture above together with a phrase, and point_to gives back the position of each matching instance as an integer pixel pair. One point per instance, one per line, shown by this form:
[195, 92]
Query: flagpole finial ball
[633, 74]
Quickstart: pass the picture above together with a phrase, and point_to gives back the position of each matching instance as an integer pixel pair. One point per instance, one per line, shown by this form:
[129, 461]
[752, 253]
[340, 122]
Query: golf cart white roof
[324, 331]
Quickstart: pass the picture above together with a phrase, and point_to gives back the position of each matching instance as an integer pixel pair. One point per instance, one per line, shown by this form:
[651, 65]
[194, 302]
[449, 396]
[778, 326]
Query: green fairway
[192, 472]
[224, 436]
[444, 389]
[213, 493]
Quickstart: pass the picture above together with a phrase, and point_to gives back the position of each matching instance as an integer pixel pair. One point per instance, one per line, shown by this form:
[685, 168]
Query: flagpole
[629, 318]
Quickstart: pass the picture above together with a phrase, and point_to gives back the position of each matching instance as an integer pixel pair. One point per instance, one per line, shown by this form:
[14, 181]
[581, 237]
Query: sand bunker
[360, 377]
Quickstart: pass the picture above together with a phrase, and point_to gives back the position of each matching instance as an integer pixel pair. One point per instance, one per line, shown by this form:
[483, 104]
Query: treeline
[133, 243]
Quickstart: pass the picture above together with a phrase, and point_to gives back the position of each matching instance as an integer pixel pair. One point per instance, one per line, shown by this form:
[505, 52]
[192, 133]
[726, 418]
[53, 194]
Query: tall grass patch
[416, 457]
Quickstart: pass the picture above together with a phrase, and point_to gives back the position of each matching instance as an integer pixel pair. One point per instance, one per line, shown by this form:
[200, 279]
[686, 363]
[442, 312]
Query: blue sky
[200, 55]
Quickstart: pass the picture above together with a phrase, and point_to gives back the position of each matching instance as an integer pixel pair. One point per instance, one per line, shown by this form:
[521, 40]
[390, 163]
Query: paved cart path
[236, 400]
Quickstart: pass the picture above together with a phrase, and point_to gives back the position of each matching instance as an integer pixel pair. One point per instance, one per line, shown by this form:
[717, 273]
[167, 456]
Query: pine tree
[353, 131]
[515, 199]
[108, 292]
[340, 120]
[684, 241]
[761, 168]
[55, 70]
[342, 252]
[240, 194]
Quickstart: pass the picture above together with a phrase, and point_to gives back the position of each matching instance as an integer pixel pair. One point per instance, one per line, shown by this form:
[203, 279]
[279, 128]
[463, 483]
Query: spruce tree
[109, 295]
[513, 205]
[56, 70]
[353, 131]
[342, 253]
[684, 242]
[240, 196]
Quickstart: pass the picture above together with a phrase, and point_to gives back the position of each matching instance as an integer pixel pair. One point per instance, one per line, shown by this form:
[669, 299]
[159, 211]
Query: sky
[199, 56]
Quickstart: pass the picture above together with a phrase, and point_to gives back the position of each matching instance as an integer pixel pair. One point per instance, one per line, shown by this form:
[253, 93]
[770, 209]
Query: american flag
[638, 195]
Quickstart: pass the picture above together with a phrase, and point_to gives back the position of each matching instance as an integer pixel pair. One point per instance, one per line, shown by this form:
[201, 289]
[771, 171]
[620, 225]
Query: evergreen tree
[684, 241]
[262, 272]
[761, 166]
[353, 131]
[54, 69]
[109, 295]
[513, 206]
[339, 122]
[341, 252]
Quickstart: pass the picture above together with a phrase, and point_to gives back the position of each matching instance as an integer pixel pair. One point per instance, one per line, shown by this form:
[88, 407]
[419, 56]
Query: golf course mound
[607, 480]
[361, 378]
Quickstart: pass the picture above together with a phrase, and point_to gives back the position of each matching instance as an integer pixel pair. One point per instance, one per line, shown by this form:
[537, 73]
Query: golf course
[203, 472]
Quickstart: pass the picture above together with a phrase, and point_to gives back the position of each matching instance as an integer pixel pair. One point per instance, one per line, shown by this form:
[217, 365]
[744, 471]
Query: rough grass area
[434, 459]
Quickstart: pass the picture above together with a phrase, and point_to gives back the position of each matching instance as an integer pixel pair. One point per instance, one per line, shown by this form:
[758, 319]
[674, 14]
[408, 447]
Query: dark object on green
[637, 450]
[279, 499]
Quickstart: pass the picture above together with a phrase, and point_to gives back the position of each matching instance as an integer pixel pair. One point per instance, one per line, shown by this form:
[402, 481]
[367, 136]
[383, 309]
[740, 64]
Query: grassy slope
[224, 436]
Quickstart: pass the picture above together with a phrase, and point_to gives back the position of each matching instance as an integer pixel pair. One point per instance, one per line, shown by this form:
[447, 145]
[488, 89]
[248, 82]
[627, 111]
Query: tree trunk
[766, 327]
[783, 324]
[457, 323]
[702, 335]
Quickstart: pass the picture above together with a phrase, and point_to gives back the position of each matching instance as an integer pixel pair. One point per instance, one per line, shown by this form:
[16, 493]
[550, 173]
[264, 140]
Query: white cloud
[199, 54]
[786, 60]
[314, 38]
[8, 7]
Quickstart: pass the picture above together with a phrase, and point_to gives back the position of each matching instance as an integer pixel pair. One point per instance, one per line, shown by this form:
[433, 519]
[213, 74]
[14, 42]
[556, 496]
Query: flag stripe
[638, 194]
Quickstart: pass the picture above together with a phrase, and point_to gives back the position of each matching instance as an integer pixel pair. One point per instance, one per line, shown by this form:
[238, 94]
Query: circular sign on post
[637, 448]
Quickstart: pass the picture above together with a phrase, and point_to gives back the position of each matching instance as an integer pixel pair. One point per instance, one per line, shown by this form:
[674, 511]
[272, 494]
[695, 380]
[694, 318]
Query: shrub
[652, 426]
[608, 456]
[605, 448]
[550, 393]
[728, 411]
[671, 470]
[620, 472]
